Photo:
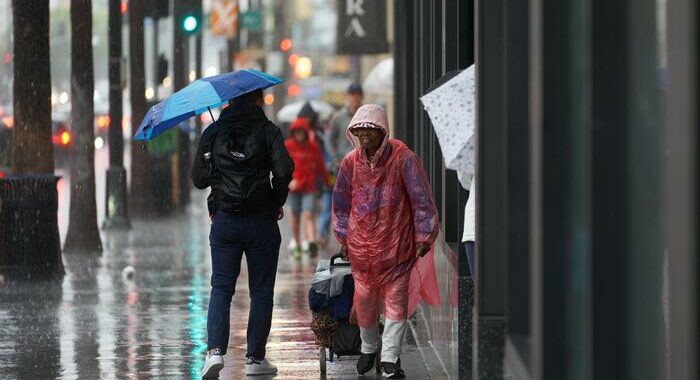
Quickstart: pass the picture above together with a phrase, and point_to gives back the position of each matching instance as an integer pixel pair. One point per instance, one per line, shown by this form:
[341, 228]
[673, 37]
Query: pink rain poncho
[381, 210]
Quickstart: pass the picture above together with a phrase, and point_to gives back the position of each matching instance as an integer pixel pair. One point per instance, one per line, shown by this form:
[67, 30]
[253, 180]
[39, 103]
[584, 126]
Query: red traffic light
[286, 44]
[124, 7]
[293, 90]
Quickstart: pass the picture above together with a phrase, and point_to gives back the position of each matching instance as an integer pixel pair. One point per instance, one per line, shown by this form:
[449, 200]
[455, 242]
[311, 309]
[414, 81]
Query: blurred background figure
[319, 136]
[309, 168]
[338, 143]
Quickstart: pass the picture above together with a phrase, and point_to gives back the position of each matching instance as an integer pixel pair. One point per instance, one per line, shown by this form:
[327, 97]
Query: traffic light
[190, 23]
[189, 14]
[286, 44]
[157, 8]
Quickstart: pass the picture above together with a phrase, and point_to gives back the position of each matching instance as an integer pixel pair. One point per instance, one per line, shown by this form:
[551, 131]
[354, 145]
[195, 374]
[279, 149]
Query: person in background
[385, 220]
[319, 134]
[469, 236]
[309, 167]
[338, 143]
[242, 158]
[320, 138]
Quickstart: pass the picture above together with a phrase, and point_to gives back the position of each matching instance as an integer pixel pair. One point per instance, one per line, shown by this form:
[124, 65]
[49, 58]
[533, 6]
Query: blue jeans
[258, 237]
[324, 218]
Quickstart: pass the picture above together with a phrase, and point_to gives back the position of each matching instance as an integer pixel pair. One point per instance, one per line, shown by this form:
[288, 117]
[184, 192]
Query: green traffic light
[190, 23]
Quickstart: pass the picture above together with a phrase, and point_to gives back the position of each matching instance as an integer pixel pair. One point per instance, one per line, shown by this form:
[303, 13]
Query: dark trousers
[469, 251]
[258, 237]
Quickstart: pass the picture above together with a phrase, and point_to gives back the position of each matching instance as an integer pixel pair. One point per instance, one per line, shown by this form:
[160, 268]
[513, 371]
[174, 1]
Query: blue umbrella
[200, 96]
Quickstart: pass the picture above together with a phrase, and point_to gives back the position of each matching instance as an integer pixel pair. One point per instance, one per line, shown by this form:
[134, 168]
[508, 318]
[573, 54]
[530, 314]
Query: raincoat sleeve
[342, 201]
[281, 164]
[425, 218]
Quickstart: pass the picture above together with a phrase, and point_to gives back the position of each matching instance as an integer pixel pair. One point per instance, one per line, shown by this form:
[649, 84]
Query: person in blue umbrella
[243, 159]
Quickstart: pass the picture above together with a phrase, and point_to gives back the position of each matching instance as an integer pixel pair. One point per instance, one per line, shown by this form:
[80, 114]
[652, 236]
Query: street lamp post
[116, 196]
[197, 5]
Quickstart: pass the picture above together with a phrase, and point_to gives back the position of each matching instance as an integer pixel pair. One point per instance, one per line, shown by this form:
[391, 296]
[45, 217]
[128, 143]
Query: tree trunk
[141, 194]
[29, 241]
[32, 151]
[83, 233]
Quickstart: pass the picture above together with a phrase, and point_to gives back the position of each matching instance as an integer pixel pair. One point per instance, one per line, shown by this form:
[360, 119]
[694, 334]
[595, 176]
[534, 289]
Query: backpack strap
[208, 143]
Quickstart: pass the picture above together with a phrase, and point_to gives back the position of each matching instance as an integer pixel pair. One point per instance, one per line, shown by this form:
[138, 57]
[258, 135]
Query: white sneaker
[214, 364]
[293, 244]
[263, 367]
[305, 246]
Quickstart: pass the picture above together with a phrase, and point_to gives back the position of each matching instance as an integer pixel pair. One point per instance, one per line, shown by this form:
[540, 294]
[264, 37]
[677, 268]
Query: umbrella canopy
[290, 111]
[198, 97]
[380, 80]
[450, 104]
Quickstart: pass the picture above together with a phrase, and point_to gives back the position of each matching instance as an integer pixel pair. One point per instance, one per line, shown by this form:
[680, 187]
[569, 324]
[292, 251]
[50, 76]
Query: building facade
[586, 248]
[432, 38]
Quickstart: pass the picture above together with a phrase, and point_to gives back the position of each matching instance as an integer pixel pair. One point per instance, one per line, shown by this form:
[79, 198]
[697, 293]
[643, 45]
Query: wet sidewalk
[98, 324]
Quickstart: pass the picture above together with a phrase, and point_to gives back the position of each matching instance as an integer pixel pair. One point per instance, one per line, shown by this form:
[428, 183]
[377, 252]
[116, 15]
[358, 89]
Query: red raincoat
[308, 160]
[381, 210]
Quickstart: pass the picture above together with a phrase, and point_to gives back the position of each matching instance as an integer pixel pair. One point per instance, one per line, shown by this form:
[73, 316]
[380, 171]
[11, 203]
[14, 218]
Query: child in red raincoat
[385, 219]
[308, 166]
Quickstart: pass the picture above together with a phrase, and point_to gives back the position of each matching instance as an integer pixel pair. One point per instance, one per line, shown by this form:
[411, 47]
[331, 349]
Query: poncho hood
[370, 116]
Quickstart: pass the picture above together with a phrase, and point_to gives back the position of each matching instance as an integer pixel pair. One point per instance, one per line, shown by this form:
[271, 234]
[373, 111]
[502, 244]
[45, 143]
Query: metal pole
[180, 80]
[156, 33]
[281, 31]
[198, 63]
[681, 187]
[116, 197]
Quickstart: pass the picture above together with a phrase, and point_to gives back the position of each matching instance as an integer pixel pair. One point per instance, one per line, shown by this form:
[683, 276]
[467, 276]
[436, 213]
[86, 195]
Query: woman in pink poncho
[385, 219]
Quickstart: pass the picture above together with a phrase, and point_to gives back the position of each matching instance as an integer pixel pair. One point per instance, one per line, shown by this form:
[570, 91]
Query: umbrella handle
[211, 114]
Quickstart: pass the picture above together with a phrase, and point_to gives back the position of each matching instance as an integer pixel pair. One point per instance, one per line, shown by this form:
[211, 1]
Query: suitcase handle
[338, 256]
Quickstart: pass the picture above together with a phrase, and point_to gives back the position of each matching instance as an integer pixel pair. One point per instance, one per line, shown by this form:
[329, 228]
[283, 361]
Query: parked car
[61, 137]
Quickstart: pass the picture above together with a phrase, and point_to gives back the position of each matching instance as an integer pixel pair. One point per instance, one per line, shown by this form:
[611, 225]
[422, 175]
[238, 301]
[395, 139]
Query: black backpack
[238, 162]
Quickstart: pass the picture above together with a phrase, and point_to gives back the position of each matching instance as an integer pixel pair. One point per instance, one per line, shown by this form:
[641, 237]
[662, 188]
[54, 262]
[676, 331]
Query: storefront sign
[223, 18]
[362, 27]
[251, 20]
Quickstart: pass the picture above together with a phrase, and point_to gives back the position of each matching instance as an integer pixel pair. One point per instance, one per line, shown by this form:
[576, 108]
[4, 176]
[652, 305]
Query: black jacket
[264, 193]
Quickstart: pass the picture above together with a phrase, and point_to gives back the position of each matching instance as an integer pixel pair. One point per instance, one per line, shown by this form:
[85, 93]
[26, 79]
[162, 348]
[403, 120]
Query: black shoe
[366, 363]
[392, 371]
[313, 249]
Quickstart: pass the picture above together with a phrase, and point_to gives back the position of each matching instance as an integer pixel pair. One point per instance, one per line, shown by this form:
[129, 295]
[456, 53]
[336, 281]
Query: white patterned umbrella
[380, 80]
[290, 111]
[450, 106]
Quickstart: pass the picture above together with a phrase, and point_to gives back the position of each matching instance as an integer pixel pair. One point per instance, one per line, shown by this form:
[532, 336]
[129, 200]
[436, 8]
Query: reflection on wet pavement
[96, 323]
